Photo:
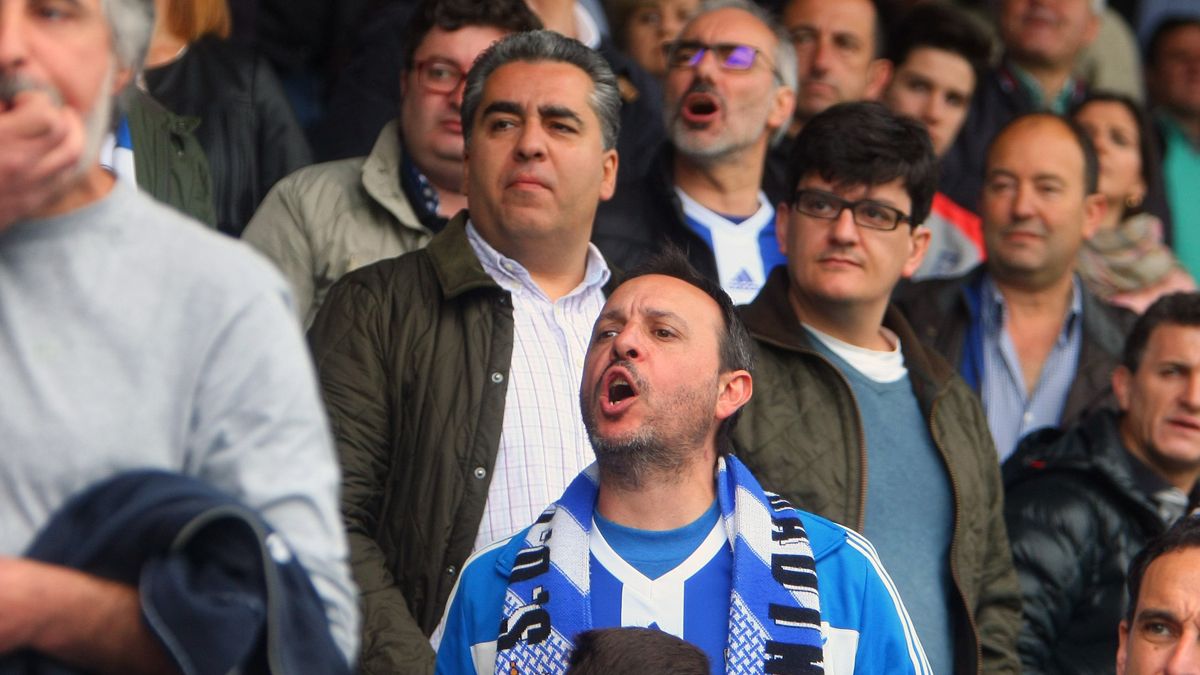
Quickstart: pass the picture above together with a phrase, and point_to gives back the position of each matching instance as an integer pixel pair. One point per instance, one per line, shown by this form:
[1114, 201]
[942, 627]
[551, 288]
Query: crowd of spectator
[415, 336]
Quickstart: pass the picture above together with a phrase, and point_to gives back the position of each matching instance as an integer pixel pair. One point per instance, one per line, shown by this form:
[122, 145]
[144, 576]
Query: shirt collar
[512, 276]
[992, 301]
[422, 195]
[1059, 104]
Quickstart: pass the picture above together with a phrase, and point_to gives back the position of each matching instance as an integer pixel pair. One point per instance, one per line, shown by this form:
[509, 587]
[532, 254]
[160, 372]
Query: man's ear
[1122, 645]
[736, 388]
[608, 180]
[783, 223]
[918, 245]
[1121, 378]
[879, 73]
[1094, 206]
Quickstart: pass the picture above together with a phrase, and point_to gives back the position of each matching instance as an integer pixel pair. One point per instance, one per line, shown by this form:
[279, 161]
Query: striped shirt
[1011, 413]
[543, 444]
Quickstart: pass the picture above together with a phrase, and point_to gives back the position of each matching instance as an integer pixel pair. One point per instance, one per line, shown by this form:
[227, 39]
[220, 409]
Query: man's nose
[627, 345]
[843, 230]
[1185, 656]
[531, 144]
[13, 47]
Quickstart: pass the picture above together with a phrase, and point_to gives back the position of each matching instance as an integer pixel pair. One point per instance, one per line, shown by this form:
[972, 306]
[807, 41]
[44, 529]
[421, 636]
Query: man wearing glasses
[729, 91]
[326, 220]
[852, 417]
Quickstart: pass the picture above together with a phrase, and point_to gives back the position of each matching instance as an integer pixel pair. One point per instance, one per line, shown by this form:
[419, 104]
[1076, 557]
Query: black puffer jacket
[1075, 519]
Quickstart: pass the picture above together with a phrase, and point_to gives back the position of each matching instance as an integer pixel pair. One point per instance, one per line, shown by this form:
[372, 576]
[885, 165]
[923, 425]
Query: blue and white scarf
[775, 610]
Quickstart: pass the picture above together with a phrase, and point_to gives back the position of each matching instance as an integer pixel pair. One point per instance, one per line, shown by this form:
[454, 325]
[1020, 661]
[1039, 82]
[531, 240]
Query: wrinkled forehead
[730, 24]
[657, 295]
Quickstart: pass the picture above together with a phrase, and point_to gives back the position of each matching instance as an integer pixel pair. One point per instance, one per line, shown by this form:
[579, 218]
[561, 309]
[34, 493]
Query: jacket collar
[458, 269]
[381, 177]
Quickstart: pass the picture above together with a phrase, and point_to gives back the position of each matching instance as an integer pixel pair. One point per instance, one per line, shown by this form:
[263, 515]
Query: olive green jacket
[802, 436]
[413, 355]
[168, 160]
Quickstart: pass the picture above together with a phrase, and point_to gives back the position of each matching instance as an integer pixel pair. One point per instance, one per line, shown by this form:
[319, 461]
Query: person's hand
[40, 146]
[20, 581]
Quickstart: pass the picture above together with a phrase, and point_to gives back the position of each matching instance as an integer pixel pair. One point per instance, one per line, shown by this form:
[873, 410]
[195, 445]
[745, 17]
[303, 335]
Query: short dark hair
[1185, 533]
[736, 348]
[864, 143]
[1167, 25]
[940, 26]
[1155, 199]
[511, 16]
[635, 651]
[1175, 309]
[547, 46]
[1091, 163]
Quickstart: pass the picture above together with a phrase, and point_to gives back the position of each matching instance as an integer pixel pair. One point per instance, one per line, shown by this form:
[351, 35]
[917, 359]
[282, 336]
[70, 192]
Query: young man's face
[934, 87]
[1161, 403]
[838, 265]
[430, 119]
[536, 165]
[1164, 637]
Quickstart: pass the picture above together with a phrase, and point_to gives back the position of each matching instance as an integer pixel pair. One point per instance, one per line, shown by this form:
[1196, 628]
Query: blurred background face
[1174, 80]
[651, 24]
[835, 49]
[1047, 32]
[1114, 132]
[934, 87]
[429, 112]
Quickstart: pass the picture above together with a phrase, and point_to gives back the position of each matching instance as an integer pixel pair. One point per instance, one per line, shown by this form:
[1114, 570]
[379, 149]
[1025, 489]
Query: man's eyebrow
[559, 111]
[666, 314]
[503, 107]
[1153, 614]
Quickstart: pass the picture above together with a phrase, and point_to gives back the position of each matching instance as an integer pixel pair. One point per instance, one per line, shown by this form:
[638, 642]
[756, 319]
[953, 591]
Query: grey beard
[630, 463]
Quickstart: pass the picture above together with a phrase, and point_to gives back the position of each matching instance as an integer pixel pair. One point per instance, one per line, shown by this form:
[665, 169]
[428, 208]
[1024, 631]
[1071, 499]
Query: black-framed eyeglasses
[729, 55]
[867, 212]
[439, 76]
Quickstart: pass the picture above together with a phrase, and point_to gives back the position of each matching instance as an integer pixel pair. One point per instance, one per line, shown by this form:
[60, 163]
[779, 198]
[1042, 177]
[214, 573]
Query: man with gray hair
[133, 339]
[450, 373]
[729, 92]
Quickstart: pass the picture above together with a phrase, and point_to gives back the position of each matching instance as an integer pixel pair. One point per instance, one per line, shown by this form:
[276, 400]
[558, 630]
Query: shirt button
[1028, 417]
[451, 570]
[480, 472]
[497, 378]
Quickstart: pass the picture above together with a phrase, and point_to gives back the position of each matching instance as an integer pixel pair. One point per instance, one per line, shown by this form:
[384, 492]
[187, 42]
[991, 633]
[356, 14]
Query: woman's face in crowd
[1114, 131]
[650, 25]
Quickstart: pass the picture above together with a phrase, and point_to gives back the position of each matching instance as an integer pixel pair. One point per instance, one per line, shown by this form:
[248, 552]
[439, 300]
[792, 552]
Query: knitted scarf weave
[775, 612]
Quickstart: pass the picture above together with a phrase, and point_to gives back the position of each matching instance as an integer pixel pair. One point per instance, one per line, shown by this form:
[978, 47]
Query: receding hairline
[1034, 123]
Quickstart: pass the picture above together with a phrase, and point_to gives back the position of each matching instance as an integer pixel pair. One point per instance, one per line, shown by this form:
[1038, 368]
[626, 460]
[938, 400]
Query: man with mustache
[326, 220]
[729, 91]
[133, 339]
[1080, 504]
[450, 373]
[1021, 328]
[853, 418]
[668, 530]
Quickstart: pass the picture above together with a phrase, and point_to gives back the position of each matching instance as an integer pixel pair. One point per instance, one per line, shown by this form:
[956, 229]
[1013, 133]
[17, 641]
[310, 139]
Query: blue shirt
[1011, 413]
[909, 506]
